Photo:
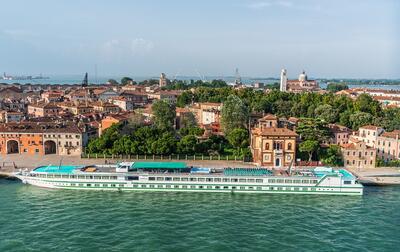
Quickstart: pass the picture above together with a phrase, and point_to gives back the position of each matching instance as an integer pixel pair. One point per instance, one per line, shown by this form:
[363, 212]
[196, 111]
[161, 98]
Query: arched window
[289, 146]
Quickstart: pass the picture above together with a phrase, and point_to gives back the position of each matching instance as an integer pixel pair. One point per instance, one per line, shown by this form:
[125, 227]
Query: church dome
[303, 76]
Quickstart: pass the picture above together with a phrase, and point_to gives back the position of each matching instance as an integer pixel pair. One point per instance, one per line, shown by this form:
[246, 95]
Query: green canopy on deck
[159, 165]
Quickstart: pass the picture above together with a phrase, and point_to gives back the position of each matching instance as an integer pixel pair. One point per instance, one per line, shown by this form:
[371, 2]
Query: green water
[36, 219]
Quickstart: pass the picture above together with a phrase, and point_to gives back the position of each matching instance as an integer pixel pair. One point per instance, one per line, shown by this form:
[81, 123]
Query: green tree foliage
[238, 138]
[335, 87]
[332, 156]
[326, 113]
[365, 103]
[113, 82]
[234, 114]
[359, 119]
[313, 129]
[309, 147]
[184, 99]
[126, 80]
[164, 115]
[187, 144]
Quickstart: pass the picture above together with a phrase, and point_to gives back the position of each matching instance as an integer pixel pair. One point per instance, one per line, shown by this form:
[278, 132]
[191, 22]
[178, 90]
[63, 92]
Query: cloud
[269, 3]
[141, 45]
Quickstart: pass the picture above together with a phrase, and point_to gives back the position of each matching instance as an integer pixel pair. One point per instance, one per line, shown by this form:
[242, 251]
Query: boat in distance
[177, 176]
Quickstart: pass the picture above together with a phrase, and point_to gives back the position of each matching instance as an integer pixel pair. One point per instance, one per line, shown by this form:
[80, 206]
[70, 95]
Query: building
[52, 96]
[272, 146]
[340, 134]
[302, 84]
[357, 154]
[11, 116]
[34, 138]
[43, 110]
[368, 134]
[136, 97]
[123, 103]
[388, 145]
[76, 108]
[170, 96]
[105, 107]
[110, 120]
[163, 80]
[104, 94]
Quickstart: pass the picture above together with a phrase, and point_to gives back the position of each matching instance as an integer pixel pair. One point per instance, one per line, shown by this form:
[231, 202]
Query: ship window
[209, 187]
[103, 177]
[184, 179]
[216, 187]
[225, 180]
[251, 188]
[96, 185]
[242, 180]
[88, 185]
[226, 187]
[217, 180]
[313, 189]
[296, 189]
[288, 181]
[143, 186]
[160, 178]
[168, 178]
[64, 176]
[159, 186]
[152, 186]
[112, 185]
[279, 181]
[177, 179]
[259, 188]
[113, 177]
[234, 180]
[136, 186]
[168, 186]
[192, 186]
[176, 186]
[201, 187]
[242, 188]
[184, 186]
[193, 179]
[271, 180]
[57, 176]
[134, 178]
[209, 179]
[251, 180]
[259, 180]
[314, 181]
[347, 182]
[305, 181]
[49, 175]
[201, 179]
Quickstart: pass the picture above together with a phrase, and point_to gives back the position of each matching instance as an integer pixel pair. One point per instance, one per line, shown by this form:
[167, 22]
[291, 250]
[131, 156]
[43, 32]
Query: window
[201, 179]
[152, 178]
[193, 179]
[267, 146]
[234, 180]
[184, 179]
[347, 182]
[271, 180]
[168, 178]
[279, 181]
[209, 179]
[225, 180]
[217, 180]
[289, 146]
[242, 180]
[288, 181]
[177, 179]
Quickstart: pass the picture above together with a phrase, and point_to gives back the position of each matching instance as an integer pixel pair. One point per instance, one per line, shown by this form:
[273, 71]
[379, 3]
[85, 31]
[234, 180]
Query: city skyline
[327, 39]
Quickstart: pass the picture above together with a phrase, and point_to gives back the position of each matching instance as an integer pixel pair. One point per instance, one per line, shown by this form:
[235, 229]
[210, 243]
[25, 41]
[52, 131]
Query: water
[36, 219]
[77, 79]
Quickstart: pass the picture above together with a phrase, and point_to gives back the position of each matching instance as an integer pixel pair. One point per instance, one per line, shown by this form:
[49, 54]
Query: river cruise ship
[177, 176]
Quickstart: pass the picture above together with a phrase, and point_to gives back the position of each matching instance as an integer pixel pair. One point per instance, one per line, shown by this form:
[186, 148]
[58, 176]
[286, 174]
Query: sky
[341, 38]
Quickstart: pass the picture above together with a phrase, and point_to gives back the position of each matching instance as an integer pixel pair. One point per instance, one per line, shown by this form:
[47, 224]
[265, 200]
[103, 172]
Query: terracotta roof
[40, 127]
[268, 117]
[393, 134]
[275, 132]
[369, 127]
[44, 105]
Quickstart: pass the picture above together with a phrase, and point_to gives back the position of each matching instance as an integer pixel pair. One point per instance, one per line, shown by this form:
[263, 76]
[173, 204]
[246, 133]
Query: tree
[113, 82]
[234, 114]
[164, 145]
[365, 103]
[313, 129]
[126, 80]
[359, 119]
[238, 138]
[332, 156]
[187, 144]
[326, 113]
[335, 87]
[309, 146]
[184, 99]
[164, 115]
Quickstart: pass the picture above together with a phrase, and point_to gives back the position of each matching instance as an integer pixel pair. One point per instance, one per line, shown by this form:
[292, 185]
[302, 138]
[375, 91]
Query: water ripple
[35, 219]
